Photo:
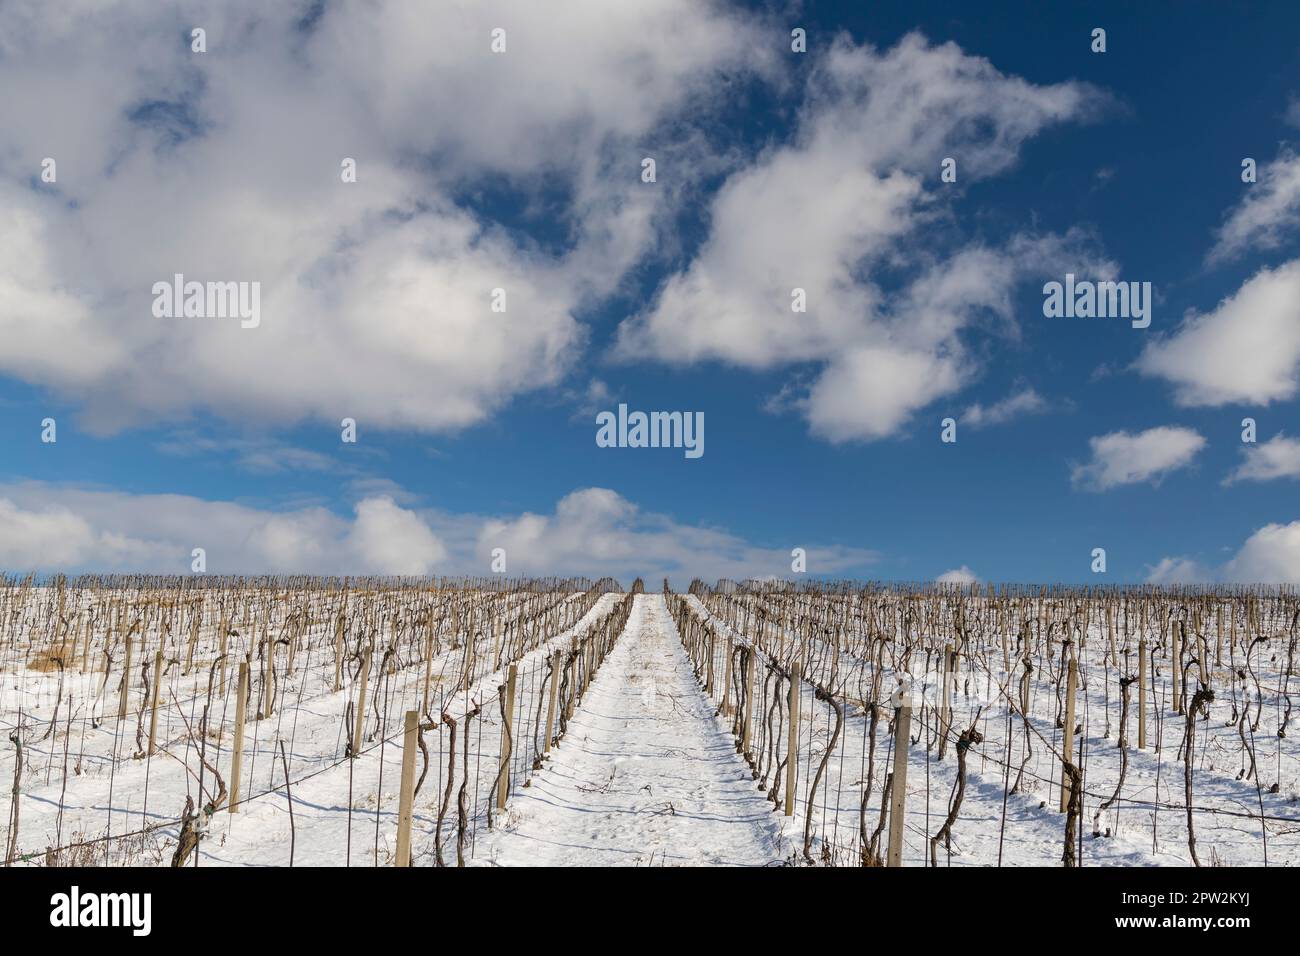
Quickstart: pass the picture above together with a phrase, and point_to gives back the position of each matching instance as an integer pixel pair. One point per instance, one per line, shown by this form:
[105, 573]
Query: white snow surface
[645, 776]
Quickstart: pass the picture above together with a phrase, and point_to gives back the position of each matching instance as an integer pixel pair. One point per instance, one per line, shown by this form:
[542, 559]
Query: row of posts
[594, 648]
[704, 639]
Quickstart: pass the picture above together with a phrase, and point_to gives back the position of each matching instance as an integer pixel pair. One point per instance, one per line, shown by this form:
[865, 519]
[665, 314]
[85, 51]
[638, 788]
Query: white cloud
[1269, 210]
[375, 295]
[592, 532]
[595, 531]
[1121, 458]
[1279, 457]
[840, 205]
[962, 575]
[1177, 571]
[1270, 556]
[869, 392]
[393, 540]
[48, 527]
[1027, 401]
[60, 536]
[1245, 351]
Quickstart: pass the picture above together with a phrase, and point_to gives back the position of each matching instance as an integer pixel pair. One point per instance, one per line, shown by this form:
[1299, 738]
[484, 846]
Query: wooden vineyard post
[898, 793]
[726, 679]
[1176, 655]
[572, 695]
[153, 703]
[428, 666]
[1067, 733]
[945, 706]
[406, 794]
[503, 790]
[268, 679]
[361, 705]
[792, 747]
[1110, 635]
[338, 655]
[126, 679]
[750, 666]
[69, 654]
[1142, 694]
[295, 635]
[194, 640]
[1231, 635]
[1218, 634]
[221, 653]
[550, 705]
[237, 749]
[710, 644]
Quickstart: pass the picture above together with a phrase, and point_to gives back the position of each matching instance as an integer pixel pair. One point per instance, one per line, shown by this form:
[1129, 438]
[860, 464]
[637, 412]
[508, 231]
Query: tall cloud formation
[592, 532]
[848, 199]
[226, 166]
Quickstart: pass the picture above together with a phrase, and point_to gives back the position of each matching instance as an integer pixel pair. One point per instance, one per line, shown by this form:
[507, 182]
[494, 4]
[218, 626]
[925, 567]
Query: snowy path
[645, 775]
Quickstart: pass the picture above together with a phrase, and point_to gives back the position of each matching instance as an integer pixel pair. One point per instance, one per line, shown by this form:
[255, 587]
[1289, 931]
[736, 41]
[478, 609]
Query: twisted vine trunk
[1202, 697]
[969, 736]
[821, 767]
[446, 794]
[1073, 810]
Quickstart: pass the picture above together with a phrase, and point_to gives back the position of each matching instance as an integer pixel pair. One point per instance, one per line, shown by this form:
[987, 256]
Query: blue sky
[1126, 162]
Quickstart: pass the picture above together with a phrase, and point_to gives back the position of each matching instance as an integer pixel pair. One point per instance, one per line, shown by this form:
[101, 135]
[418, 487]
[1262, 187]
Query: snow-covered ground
[646, 775]
[1145, 821]
[645, 771]
[88, 780]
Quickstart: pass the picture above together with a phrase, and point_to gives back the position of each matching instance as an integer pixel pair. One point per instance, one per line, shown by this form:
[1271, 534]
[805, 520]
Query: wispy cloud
[1268, 212]
[1024, 402]
[1279, 457]
[265, 456]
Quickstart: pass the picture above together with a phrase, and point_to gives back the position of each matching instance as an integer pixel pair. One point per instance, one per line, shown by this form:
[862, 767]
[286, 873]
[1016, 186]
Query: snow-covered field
[627, 742]
[1245, 776]
[646, 775]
